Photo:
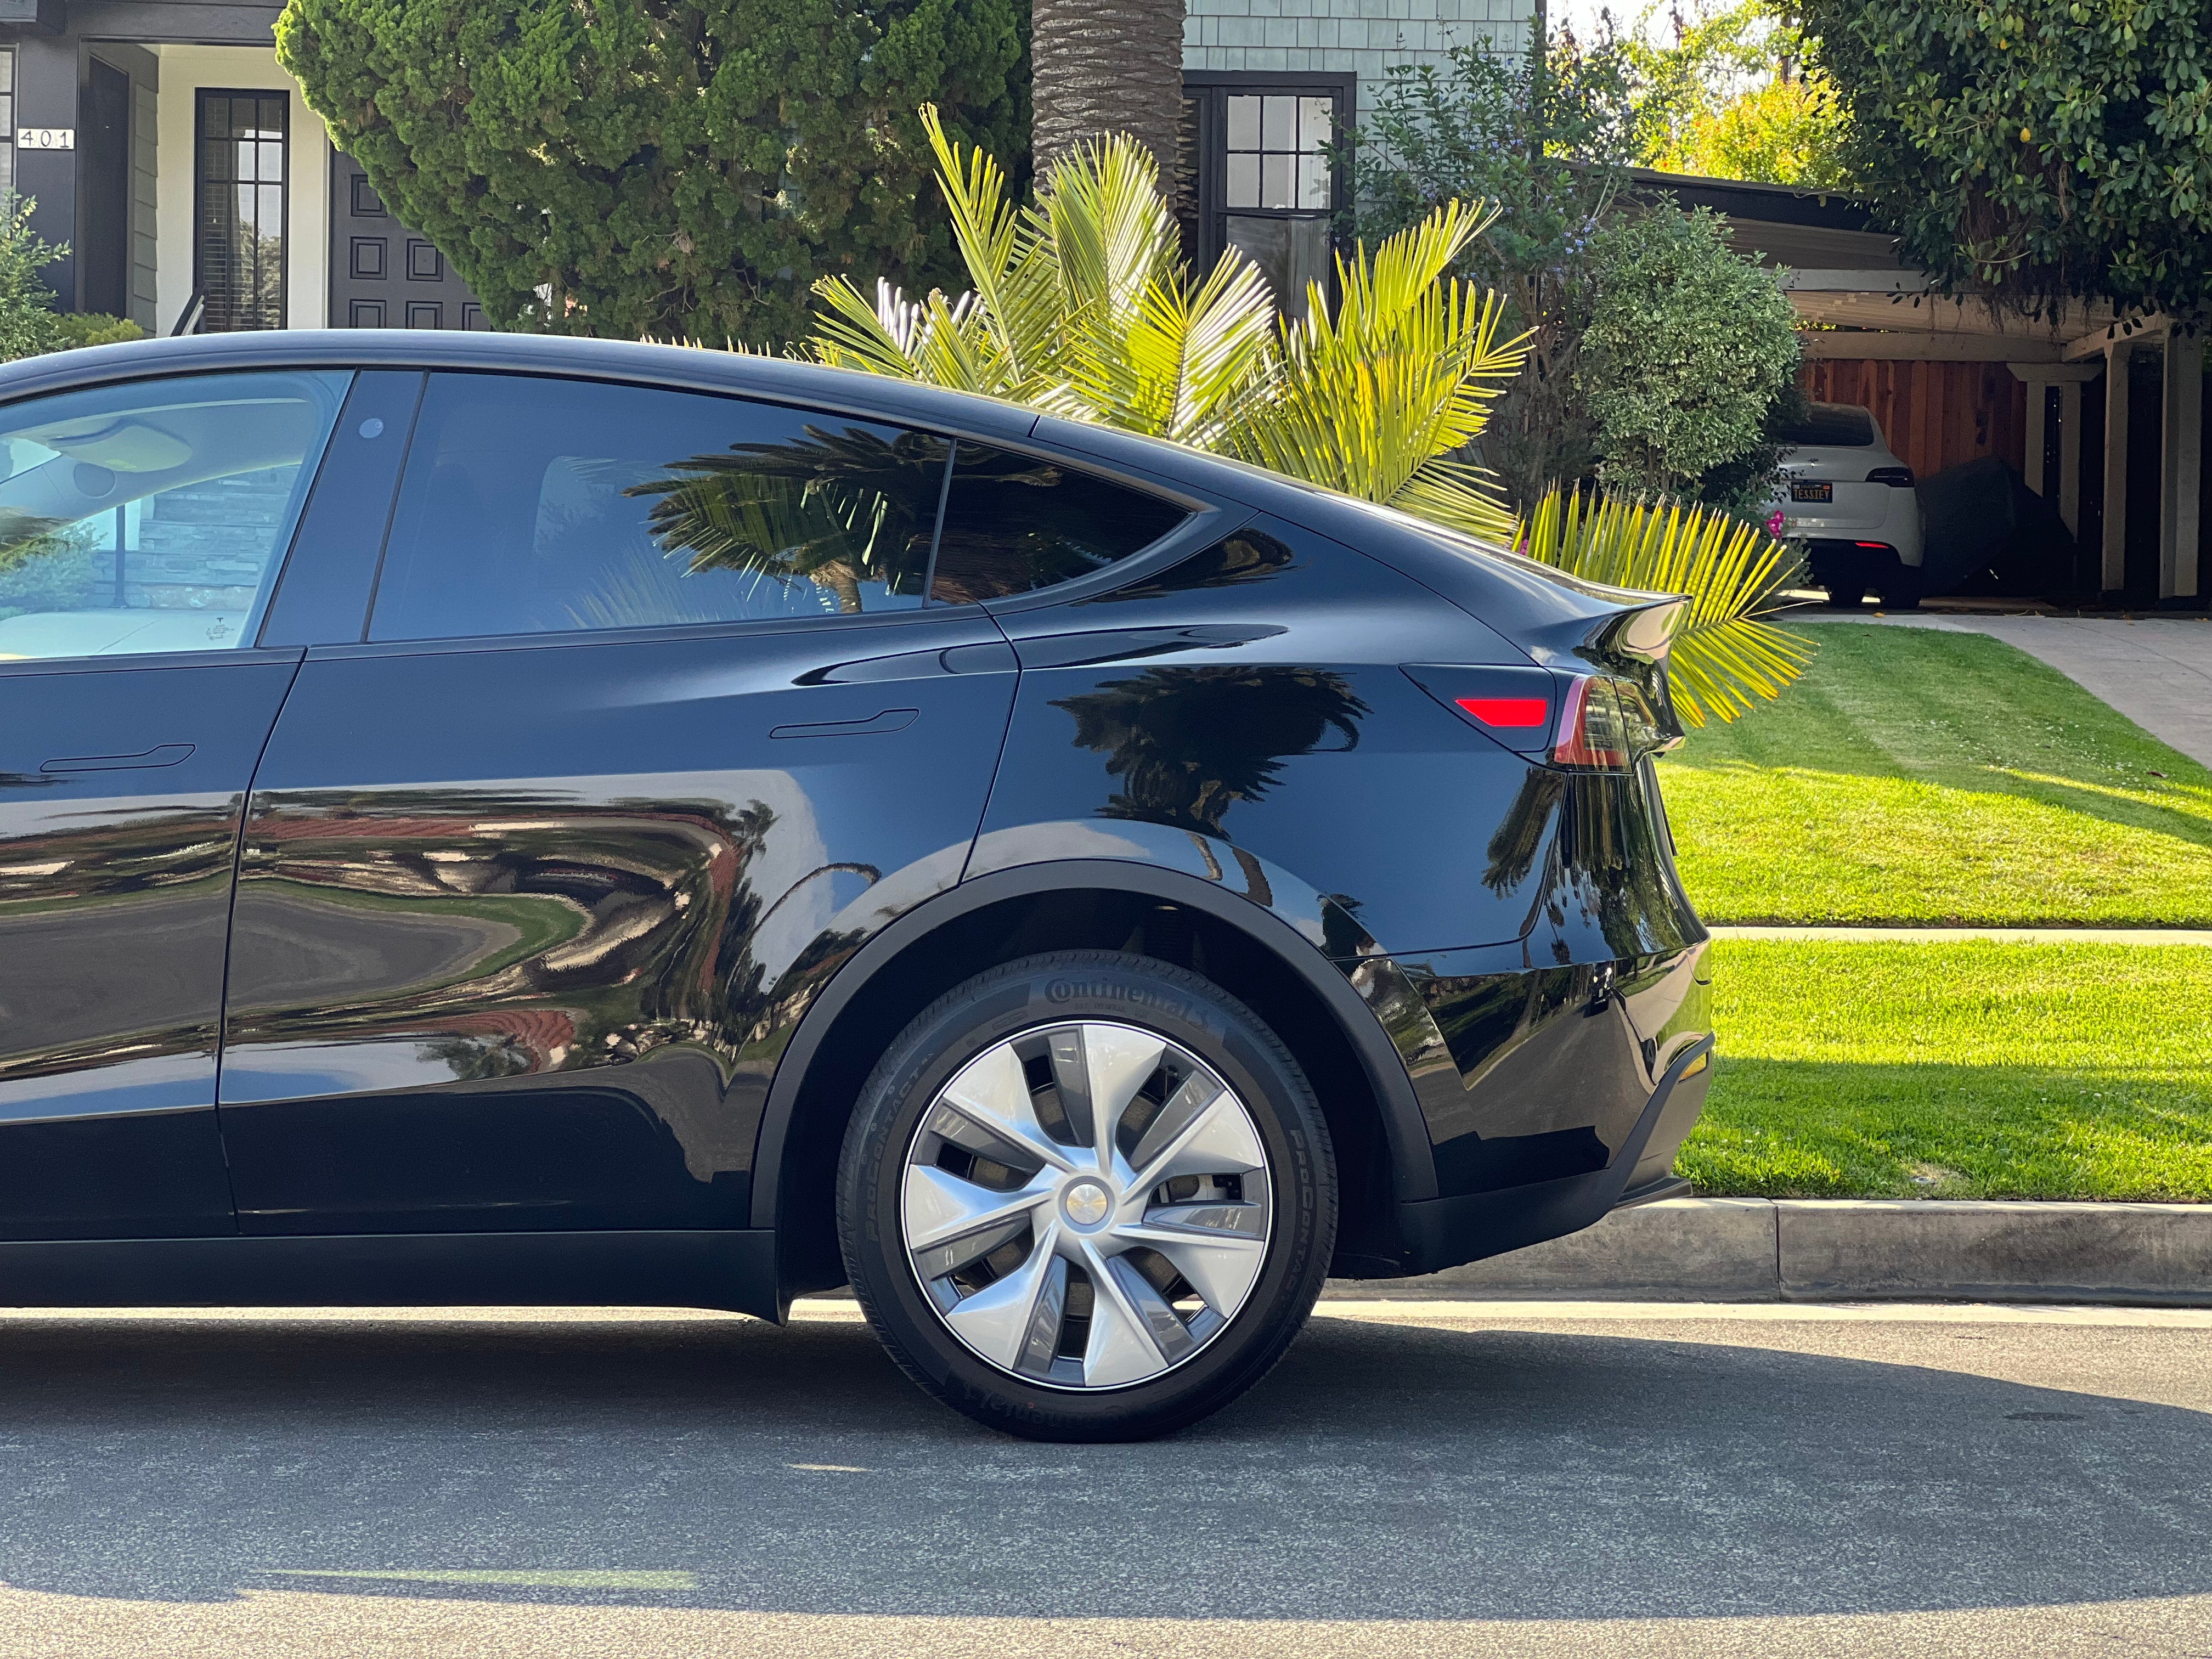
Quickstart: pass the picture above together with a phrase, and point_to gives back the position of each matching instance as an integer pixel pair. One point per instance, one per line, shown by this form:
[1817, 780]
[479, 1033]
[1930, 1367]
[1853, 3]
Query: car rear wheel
[1087, 1196]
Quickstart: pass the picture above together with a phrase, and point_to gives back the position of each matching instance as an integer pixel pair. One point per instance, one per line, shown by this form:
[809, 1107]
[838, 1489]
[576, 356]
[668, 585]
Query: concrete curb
[1756, 1249]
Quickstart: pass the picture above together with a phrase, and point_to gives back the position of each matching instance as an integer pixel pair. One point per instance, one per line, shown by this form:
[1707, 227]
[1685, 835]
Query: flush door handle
[167, 754]
[891, 720]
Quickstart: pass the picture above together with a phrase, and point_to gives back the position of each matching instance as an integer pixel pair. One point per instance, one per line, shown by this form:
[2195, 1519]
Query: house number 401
[46, 137]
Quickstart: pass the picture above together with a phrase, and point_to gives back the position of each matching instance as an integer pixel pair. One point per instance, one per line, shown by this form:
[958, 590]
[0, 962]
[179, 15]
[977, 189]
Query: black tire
[1056, 989]
[1901, 589]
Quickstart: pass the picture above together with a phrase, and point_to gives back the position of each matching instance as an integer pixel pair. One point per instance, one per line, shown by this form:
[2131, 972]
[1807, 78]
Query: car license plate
[1812, 492]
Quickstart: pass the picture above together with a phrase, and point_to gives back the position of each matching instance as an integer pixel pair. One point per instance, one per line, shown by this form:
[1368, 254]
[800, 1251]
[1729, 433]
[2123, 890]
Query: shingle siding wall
[1363, 37]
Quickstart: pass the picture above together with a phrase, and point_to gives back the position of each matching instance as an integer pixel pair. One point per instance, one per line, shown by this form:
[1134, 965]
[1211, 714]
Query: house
[198, 190]
[2109, 424]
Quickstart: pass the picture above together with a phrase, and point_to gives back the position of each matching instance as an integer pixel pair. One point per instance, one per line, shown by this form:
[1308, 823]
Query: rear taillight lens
[1511, 713]
[1897, 478]
[1605, 725]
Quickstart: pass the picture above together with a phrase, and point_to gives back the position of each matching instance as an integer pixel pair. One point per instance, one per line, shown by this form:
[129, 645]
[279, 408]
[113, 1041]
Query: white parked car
[1852, 501]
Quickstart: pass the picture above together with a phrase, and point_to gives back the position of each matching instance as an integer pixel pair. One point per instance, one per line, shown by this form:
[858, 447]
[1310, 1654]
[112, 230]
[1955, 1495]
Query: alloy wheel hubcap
[1086, 1205]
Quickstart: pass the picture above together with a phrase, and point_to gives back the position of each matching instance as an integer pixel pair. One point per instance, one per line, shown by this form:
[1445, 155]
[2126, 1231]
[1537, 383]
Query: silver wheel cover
[1086, 1205]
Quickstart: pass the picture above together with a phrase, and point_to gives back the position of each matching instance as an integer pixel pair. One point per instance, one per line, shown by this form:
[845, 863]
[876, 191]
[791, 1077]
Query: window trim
[1211, 89]
[200, 96]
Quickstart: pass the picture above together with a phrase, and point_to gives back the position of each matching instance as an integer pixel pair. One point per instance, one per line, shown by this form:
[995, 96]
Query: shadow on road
[1383, 1472]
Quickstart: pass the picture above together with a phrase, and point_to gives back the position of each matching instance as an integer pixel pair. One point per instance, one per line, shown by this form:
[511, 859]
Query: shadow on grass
[1786, 1128]
[1383, 1472]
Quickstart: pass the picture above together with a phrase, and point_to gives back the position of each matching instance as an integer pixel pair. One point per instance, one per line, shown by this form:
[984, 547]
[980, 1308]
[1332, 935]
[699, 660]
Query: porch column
[2069, 455]
[2181, 470]
[2068, 378]
[2114, 576]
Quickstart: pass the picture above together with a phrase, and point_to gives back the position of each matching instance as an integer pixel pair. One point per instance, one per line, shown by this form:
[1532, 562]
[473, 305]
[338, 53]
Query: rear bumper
[1444, 1232]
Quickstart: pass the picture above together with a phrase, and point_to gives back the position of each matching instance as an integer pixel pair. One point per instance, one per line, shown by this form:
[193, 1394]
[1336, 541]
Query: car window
[1014, 522]
[1833, 426]
[151, 516]
[542, 506]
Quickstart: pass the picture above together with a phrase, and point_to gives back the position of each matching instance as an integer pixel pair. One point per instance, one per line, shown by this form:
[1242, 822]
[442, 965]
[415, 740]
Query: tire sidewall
[1061, 989]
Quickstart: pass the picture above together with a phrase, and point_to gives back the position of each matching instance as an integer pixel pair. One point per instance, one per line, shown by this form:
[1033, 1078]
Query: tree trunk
[1101, 66]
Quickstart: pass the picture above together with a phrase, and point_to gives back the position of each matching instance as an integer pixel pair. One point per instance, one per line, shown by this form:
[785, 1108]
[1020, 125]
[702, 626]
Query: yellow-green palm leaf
[1724, 655]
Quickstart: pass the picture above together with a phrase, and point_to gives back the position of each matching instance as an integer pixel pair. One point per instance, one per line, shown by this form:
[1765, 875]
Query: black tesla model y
[492, 819]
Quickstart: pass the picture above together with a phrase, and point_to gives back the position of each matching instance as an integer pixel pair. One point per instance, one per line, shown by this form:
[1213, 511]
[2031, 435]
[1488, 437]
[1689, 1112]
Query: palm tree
[1101, 66]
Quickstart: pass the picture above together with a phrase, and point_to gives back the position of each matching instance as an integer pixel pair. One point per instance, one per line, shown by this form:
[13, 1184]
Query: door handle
[891, 720]
[167, 754]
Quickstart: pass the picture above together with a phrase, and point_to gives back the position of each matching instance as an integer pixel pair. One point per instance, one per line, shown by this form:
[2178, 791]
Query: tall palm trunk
[1101, 66]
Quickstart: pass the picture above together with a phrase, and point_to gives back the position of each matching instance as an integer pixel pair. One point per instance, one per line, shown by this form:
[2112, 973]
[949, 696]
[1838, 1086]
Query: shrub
[27, 323]
[683, 169]
[1688, 347]
[92, 328]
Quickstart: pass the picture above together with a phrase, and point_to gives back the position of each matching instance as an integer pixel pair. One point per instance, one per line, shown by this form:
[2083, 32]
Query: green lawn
[1987, 1070]
[1919, 776]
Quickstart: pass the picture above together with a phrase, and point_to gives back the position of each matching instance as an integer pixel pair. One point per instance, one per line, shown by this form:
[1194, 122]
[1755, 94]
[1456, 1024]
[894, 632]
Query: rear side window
[537, 506]
[152, 516]
[1833, 426]
[1013, 523]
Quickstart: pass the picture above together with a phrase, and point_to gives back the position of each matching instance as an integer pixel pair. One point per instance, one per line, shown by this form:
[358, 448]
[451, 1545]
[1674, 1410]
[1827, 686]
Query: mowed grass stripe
[1977, 1069]
[1921, 777]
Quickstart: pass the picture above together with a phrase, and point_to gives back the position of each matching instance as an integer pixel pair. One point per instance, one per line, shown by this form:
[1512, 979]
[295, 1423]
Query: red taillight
[1591, 731]
[1518, 712]
[1873, 547]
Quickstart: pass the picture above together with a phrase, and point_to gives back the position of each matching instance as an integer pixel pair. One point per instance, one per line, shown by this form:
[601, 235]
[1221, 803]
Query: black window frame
[201, 96]
[1210, 90]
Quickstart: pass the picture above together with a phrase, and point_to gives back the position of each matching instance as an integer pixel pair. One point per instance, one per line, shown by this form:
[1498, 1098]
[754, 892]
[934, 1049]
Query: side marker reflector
[1508, 711]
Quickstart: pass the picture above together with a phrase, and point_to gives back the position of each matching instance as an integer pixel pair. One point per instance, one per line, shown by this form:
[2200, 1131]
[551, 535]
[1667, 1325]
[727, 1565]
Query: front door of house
[382, 274]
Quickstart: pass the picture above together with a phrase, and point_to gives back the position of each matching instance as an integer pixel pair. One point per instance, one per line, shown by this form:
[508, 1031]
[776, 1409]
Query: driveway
[1416, 1479]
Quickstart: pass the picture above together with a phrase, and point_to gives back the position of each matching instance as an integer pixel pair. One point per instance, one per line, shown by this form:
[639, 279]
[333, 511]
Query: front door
[140, 528]
[651, 720]
[382, 274]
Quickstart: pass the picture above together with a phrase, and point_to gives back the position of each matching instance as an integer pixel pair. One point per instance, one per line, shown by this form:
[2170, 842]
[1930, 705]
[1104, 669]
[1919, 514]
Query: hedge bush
[682, 170]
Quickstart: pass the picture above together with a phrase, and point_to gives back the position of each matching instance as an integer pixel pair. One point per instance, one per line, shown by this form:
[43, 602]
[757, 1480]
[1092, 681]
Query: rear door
[650, 724]
[141, 526]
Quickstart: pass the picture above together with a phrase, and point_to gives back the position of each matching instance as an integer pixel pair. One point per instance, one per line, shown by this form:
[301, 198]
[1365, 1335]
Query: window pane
[240, 262]
[1313, 181]
[1277, 183]
[1244, 181]
[1278, 124]
[151, 517]
[1316, 122]
[544, 507]
[1013, 523]
[1244, 122]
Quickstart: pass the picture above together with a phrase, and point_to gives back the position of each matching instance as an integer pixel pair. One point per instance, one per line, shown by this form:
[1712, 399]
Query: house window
[1265, 183]
[239, 206]
[6, 119]
[1276, 150]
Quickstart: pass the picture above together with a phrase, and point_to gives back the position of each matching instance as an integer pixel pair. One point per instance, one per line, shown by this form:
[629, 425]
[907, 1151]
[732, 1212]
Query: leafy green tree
[1730, 97]
[681, 168]
[2034, 151]
[27, 323]
[1688, 347]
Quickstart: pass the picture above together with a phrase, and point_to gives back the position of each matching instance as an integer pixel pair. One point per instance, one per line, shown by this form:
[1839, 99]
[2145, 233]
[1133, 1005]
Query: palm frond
[1723, 656]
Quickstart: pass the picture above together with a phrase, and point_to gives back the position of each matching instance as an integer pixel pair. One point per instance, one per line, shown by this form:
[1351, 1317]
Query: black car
[493, 819]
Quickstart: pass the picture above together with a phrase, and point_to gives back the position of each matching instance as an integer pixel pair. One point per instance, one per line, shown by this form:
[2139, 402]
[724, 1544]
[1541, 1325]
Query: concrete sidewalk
[2157, 671]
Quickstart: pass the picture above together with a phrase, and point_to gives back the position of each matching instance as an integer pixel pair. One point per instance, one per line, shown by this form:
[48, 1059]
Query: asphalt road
[1413, 1480]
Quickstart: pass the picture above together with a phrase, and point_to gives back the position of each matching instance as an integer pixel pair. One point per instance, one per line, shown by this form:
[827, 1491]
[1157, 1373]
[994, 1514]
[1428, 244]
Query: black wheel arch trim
[1405, 1132]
